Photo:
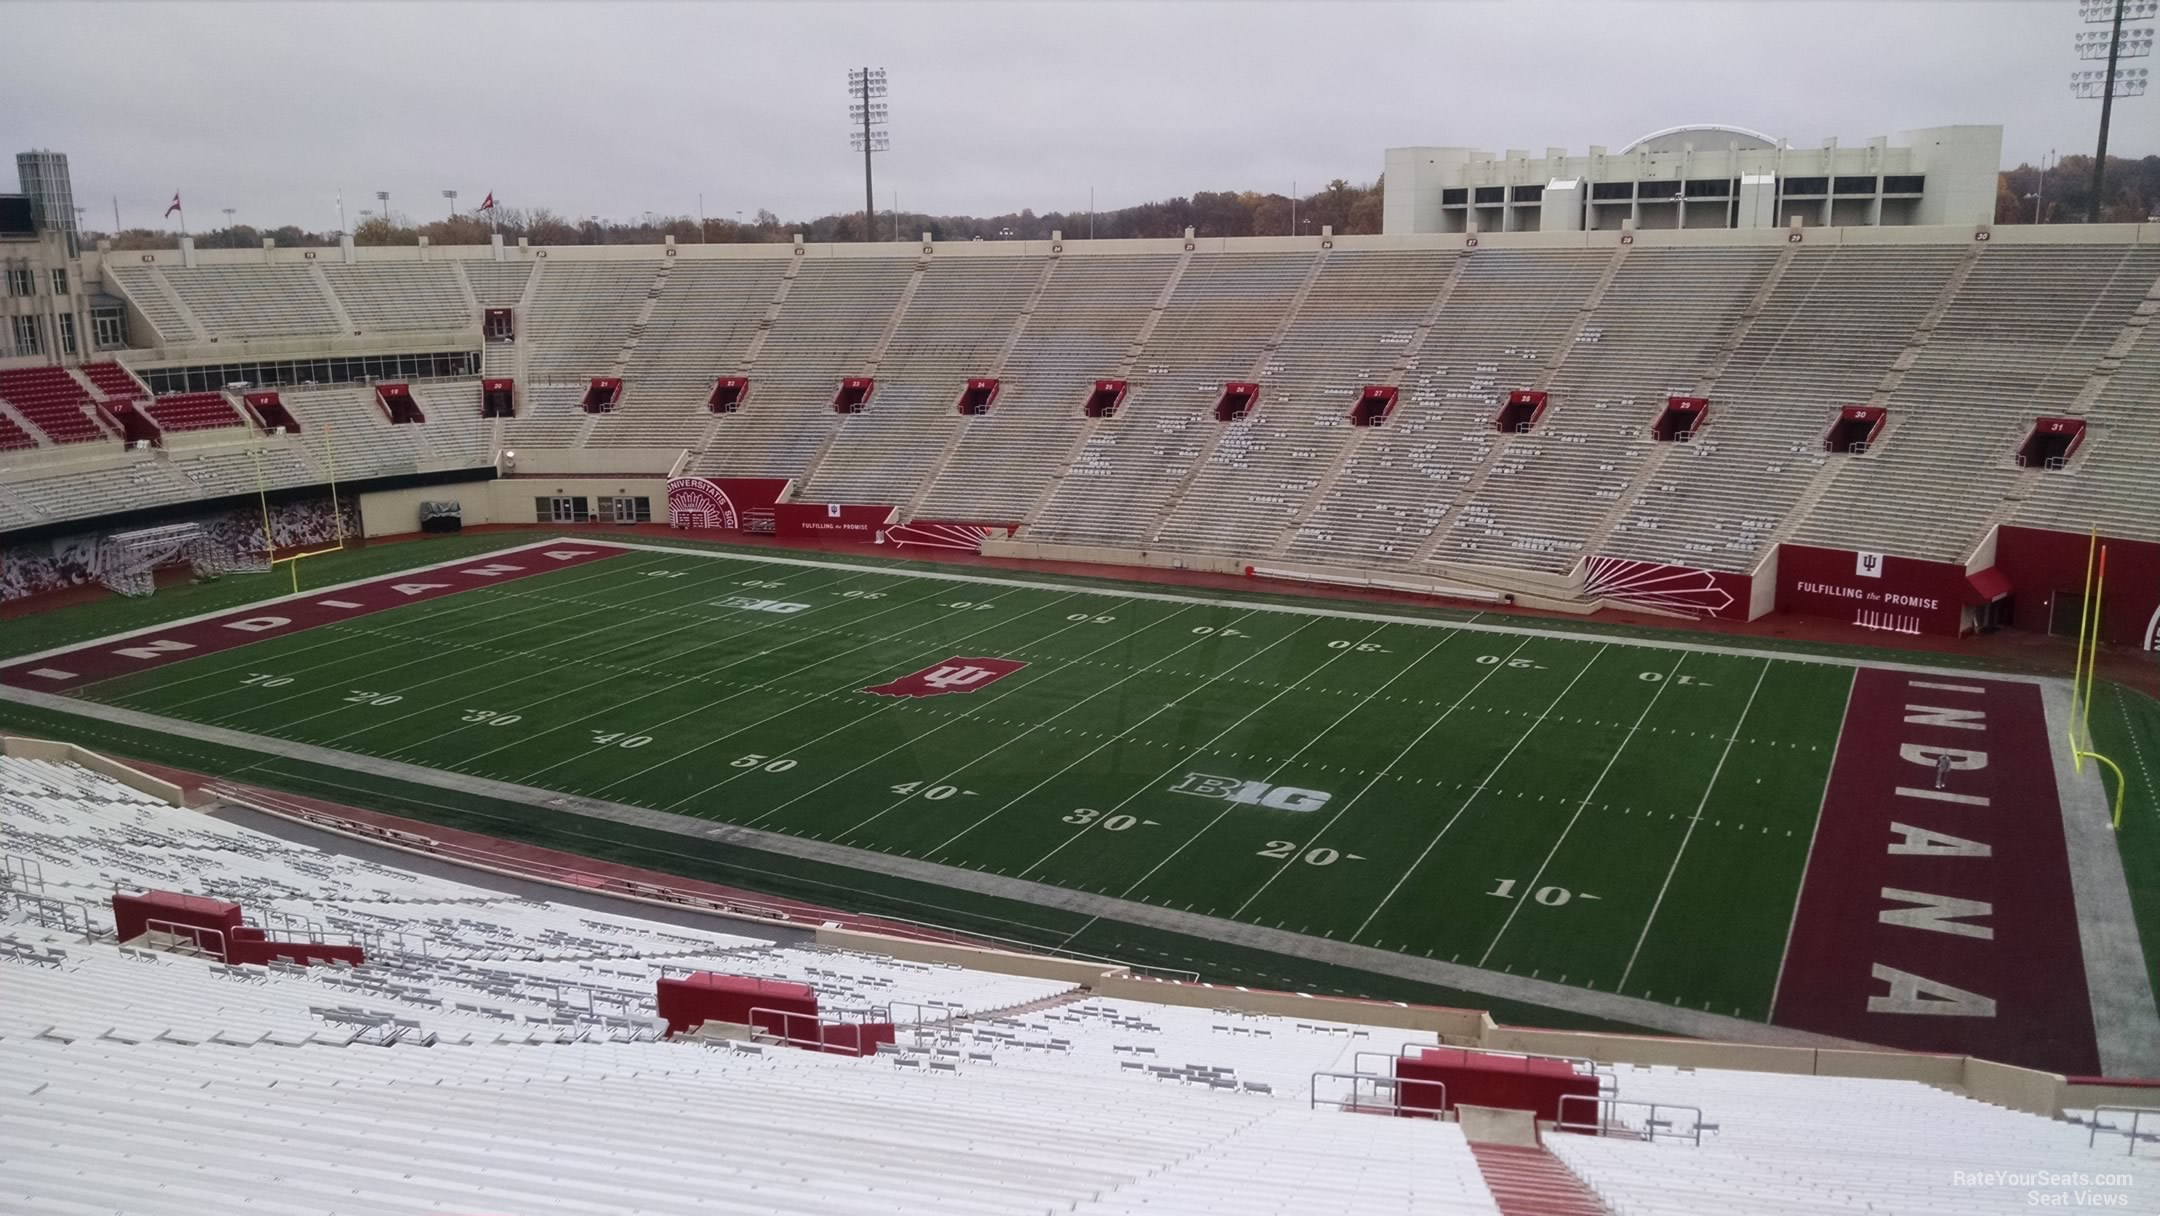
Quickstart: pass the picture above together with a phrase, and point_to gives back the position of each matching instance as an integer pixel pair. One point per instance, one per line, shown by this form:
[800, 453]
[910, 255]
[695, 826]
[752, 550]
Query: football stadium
[1629, 689]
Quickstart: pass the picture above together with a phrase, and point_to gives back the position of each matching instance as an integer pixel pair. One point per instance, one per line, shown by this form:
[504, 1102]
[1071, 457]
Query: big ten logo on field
[753, 604]
[955, 674]
[1251, 793]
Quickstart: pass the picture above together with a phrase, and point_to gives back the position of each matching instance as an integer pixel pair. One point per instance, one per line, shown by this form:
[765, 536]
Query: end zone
[85, 663]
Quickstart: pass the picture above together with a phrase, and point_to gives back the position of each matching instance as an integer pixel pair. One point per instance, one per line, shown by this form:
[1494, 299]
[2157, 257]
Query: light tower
[2111, 83]
[383, 197]
[863, 85]
[452, 196]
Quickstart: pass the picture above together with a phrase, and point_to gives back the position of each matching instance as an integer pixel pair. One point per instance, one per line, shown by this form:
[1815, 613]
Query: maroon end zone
[1942, 920]
[74, 667]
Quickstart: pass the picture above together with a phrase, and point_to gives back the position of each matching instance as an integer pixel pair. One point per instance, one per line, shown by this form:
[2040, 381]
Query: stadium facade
[1699, 176]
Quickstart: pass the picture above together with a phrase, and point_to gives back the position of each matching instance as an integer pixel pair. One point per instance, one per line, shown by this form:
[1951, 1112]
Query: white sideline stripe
[1354, 615]
[1696, 818]
[289, 597]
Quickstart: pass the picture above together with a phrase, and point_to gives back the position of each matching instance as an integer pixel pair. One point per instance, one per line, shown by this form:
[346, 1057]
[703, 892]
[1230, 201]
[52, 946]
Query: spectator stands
[12, 437]
[194, 412]
[502, 1052]
[53, 401]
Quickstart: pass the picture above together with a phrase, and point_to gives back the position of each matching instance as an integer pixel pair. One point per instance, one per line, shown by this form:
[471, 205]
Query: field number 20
[1284, 850]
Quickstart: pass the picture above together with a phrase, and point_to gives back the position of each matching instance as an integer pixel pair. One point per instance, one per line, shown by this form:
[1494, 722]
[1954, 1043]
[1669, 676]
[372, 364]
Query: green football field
[1587, 810]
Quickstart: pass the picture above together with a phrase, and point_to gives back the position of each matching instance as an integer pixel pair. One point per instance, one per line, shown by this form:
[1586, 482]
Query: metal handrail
[1394, 1105]
[30, 872]
[2130, 1133]
[43, 910]
[1605, 1123]
[193, 933]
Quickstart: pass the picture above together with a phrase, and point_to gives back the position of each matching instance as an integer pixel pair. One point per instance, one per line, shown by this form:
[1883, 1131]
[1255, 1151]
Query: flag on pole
[488, 203]
[175, 205]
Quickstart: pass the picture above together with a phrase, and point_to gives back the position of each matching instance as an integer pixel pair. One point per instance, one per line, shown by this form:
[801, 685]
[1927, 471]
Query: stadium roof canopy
[1702, 135]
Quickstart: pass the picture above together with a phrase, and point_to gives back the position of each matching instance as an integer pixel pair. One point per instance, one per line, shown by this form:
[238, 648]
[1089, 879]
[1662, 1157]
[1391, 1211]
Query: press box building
[1703, 176]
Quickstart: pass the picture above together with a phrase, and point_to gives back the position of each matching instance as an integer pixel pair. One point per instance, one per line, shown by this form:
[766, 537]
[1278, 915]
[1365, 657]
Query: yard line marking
[1813, 834]
[818, 698]
[1618, 637]
[330, 636]
[692, 679]
[997, 692]
[1167, 707]
[1584, 805]
[1406, 749]
[493, 689]
[1520, 739]
[1194, 754]
[1696, 818]
[1205, 828]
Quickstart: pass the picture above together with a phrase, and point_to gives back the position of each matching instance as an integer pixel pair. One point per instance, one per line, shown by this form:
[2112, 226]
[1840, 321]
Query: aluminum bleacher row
[1963, 343]
[503, 1053]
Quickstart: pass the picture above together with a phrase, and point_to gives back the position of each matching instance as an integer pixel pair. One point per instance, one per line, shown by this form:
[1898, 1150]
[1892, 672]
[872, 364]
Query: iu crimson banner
[955, 674]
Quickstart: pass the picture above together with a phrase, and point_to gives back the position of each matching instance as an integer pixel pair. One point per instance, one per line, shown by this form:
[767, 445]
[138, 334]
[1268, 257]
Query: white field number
[665, 573]
[1220, 631]
[763, 764]
[765, 583]
[1491, 660]
[489, 717]
[967, 606]
[363, 697]
[862, 595]
[1361, 647]
[1550, 896]
[616, 738]
[934, 793]
[1083, 618]
[1109, 823]
[263, 679]
[1284, 850]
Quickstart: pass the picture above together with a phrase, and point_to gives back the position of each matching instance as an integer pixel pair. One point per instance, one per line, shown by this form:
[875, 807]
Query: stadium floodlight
[863, 85]
[2093, 12]
[2134, 44]
[452, 196]
[2129, 82]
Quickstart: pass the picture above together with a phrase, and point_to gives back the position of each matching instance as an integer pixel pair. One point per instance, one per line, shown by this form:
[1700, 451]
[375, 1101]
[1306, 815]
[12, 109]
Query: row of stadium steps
[1654, 333]
[2023, 337]
[1084, 325]
[789, 416]
[951, 328]
[1525, 1180]
[2117, 490]
[1499, 325]
[1218, 327]
[1358, 313]
[1832, 327]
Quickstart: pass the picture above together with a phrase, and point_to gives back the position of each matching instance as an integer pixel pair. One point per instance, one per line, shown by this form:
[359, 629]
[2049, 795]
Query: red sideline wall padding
[707, 996]
[1908, 595]
[1481, 1079]
[832, 520]
[2041, 564]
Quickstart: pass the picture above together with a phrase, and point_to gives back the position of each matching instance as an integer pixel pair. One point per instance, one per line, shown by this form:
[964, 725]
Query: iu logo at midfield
[953, 675]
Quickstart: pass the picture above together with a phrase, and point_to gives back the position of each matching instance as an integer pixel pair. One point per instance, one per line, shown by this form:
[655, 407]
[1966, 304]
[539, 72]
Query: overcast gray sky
[615, 109]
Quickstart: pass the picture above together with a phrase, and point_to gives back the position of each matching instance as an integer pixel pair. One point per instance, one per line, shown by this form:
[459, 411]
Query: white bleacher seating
[252, 301]
[145, 288]
[395, 297]
[701, 327]
[1226, 308]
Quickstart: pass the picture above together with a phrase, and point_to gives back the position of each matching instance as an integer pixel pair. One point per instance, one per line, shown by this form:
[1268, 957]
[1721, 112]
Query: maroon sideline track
[1942, 920]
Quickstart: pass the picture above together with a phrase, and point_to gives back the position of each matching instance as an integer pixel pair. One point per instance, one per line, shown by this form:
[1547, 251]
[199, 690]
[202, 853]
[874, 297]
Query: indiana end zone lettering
[956, 674]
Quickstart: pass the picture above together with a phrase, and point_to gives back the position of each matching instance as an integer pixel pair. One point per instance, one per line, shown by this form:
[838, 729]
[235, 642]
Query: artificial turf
[1583, 809]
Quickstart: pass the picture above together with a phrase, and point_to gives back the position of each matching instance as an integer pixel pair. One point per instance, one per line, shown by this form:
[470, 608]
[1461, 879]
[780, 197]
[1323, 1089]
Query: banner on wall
[1664, 588]
[957, 535]
[863, 522]
[1875, 591]
[731, 504]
